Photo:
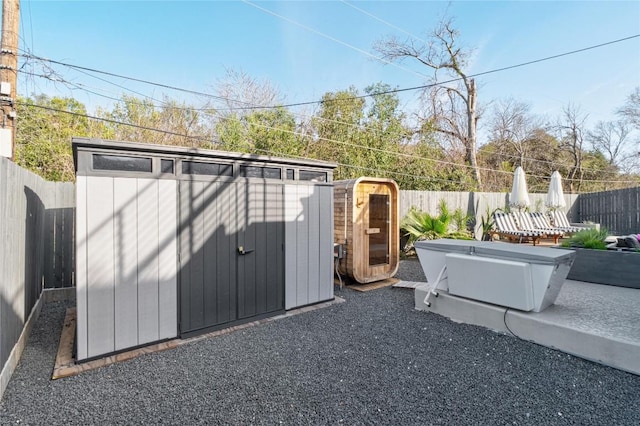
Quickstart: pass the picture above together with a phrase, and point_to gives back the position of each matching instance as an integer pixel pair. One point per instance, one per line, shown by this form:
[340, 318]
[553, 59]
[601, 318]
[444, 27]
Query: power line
[371, 15]
[295, 104]
[364, 52]
[212, 110]
[209, 140]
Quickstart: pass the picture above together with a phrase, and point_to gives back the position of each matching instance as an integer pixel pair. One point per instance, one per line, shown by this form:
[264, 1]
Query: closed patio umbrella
[519, 196]
[555, 196]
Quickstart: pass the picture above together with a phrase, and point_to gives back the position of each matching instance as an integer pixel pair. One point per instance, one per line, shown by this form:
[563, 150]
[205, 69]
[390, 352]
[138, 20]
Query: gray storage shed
[173, 241]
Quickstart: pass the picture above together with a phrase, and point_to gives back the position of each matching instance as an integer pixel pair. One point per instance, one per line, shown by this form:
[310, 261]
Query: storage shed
[172, 241]
[366, 224]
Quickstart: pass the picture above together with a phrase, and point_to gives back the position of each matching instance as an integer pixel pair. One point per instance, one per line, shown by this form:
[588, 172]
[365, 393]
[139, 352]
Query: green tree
[44, 131]
[266, 132]
[170, 123]
[339, 133]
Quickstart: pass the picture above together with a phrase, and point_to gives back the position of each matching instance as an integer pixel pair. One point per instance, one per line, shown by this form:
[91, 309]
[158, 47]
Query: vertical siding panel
[81, 267]
[274, 251]
[185, 229]
[280, 247]
[210, 278]
[5, 343]
[147, 260]
[292, 209]
[302, 244]
[243, 220]
[100, 266]
[313, 244]
[196, 262]
[126, 262]
[167, 259]
[325, 194]
[254, 213]
[263, 279]
[225, 252]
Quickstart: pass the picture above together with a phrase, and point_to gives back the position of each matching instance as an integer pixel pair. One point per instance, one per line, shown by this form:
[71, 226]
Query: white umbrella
[519, 197]
[555, 196]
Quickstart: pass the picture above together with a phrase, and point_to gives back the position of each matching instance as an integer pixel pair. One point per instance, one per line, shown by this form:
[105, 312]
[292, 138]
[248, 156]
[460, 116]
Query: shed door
[231, 255]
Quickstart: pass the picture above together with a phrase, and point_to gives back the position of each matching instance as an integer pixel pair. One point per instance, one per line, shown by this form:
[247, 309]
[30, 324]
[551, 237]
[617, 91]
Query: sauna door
[378, 229]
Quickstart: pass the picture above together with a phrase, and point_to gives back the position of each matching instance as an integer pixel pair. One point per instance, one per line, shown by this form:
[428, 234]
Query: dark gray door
[231, 253]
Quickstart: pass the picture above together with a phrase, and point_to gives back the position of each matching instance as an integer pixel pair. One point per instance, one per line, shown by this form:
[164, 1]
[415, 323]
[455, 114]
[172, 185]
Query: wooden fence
[618, 211]
[36, 236]
[477, 204]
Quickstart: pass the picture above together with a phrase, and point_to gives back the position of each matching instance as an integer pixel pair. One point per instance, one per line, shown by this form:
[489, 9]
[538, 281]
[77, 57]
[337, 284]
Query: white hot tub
[521, 277]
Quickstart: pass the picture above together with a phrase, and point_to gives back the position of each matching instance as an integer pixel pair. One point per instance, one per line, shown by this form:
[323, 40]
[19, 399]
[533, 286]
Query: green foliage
[265, 132]
[422, 226]
[43, 136]
[590, 238]
[487, 221]
[460, 219]
[419, 225]
[170, 124]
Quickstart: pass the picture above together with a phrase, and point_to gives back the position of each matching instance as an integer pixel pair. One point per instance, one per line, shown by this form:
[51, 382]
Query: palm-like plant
[422, 226]
[589, 238]
[418, 225]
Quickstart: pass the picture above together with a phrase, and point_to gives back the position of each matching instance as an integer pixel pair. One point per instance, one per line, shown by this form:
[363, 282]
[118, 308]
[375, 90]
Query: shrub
[590, 238]
[419, 225]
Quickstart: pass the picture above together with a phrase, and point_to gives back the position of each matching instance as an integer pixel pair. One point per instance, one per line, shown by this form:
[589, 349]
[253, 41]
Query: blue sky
[189, 45]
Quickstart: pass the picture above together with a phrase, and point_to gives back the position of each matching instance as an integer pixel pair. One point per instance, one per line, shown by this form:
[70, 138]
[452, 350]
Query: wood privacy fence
[618, 211]
[36, 236]
[478, 204]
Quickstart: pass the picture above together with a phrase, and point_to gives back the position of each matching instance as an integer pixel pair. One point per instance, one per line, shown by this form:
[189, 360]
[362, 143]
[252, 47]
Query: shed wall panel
[313, 244]
[325, 252]
[125, 215]
[167, 252]
[100, 276]
[225, 252]
[148, 261]
[308, 244]
[81, 267]
[210, 266]
[292, 210]
[302, 234]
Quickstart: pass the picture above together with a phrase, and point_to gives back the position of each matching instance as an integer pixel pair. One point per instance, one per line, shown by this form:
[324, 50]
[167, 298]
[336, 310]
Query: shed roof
[88, 144]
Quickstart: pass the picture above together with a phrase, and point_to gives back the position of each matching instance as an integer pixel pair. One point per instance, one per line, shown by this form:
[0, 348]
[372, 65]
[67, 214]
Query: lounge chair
[541, 221]
[559, 220]
[505, 226]
[525, 222]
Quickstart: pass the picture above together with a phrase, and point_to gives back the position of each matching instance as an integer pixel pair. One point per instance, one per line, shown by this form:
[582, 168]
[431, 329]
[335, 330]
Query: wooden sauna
[366, 223]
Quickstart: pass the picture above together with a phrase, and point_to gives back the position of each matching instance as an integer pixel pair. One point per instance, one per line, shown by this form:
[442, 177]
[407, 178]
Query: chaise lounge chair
[541, 220]
[506, 227]
[536, 222]
[559, 220]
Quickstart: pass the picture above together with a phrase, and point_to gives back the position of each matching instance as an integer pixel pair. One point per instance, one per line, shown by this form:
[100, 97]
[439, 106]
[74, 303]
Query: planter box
[610, 267]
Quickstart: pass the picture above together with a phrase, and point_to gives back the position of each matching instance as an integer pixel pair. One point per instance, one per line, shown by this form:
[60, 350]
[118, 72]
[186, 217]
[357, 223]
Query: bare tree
[571, 129]
[238, 89]
[513, 125]
[611, 139]
[631, 109]
[452, 107]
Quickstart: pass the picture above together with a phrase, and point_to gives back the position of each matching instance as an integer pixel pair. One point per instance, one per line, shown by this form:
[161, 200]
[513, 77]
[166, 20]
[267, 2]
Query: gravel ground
[371, 360]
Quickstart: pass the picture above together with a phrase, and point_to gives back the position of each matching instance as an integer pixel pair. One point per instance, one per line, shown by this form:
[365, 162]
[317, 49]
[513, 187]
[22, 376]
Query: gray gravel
[371, 360]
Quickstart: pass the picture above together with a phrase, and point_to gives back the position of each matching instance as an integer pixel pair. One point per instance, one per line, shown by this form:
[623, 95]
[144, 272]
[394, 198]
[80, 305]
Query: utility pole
[9, 76]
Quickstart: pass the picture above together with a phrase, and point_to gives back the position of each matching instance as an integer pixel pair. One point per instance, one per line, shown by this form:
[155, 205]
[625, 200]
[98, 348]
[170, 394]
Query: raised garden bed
[610, 267]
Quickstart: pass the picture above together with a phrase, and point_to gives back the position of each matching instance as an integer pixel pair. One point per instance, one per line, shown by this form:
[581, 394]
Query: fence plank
[26, 245]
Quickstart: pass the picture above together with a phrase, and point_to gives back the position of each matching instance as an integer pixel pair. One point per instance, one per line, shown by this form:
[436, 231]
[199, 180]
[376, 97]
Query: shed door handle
[242, 251]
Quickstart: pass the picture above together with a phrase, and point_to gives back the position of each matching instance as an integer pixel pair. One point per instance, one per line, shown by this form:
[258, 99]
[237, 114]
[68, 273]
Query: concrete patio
[600, 323]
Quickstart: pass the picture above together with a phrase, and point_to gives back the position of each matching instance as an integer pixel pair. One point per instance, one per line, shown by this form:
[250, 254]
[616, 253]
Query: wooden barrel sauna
[366, 223]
